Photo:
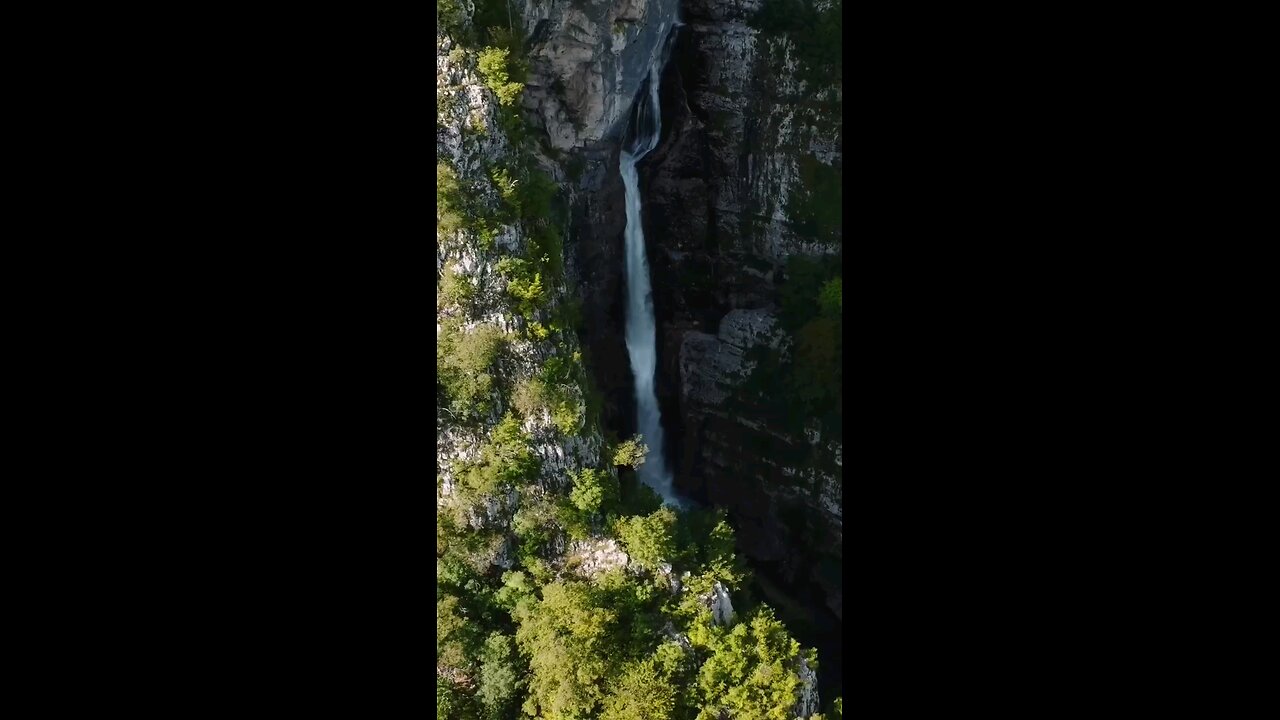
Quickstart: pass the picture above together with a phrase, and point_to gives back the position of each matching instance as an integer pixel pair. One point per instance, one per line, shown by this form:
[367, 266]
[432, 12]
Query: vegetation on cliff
[564, 590]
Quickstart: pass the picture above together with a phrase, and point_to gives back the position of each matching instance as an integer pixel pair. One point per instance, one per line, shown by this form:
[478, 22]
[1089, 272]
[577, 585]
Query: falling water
[642, 137]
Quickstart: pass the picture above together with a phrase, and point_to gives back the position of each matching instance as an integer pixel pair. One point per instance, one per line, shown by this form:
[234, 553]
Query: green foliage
[568, 316]
[494, 17]
[750, 672]
[506, 460]
[509, 451]
[644, 692]
[810, 384]
[451, 16]
[507, 186]
[631, 453]
[454, 290]
[447, 188]
[831, 297]
[548, 250]
[456, 638]
[449, 200]
[566, 414]
[524, 284]
[705, 541]
[649, 540]
[593, 491]
[463, 362]
[516, 588]
[495, 69]
[452, 704]
[582, 649]
[530, 397]
[536, 196]
[802, 279]
[817, 35]
[535, 395]
[535, 524]
[499, 676]
[566, 637]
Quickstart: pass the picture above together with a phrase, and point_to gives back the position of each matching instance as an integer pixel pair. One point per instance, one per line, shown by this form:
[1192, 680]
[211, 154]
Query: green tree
[566, 638]
[455, 635]
[750, 672]
[830, 298]
[449, 200]
[450, 16]
[593, 491]
[650, 539]
[506, 460]
[454, 289]
[495, 68]
[643, 692]
[499, 676]
[631, 453]
[524, 284]
[463, 362]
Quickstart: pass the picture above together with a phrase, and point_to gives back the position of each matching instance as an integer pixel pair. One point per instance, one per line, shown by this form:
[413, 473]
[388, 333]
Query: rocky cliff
[746, 180]
[508, 281]
[746, 177]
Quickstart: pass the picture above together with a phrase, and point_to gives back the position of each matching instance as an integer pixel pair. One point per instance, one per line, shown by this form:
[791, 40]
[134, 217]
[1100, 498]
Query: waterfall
[640, 138]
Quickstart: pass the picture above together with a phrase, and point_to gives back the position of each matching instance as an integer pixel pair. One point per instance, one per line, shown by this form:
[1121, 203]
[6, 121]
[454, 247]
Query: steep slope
[744, 203]
[564, 590]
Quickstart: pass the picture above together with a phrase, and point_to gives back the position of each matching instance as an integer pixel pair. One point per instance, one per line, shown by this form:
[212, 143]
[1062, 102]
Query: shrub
[644, 692]
[831, 297]
[524, 284]
[566, 414]
[454, 289]
[631, 452]
[817, 35]
[507, 188]
[463, 361]
[593, 491]
[802, 279]
[530, 397]
[456, 637]
[750, 672]
[448, 191]
[494, 68]
[499, 675]
[508, 455]
[649, 539]
[451, 16]
[566, 636]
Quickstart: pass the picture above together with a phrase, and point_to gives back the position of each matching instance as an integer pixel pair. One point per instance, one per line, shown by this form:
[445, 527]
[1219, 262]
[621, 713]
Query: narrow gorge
[653, 249]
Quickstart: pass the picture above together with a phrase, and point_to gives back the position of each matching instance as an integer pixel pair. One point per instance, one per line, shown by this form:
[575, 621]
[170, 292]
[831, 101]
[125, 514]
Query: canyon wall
[745, 180]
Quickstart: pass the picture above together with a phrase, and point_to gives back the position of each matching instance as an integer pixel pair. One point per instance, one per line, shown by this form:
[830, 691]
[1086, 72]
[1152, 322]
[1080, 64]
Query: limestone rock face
[588, 60]
[752, 134]
[721, 606]
[593, 557]
[466, 142]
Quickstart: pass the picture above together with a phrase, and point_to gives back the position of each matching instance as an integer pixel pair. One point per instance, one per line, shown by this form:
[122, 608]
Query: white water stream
[642, 137]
